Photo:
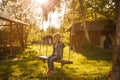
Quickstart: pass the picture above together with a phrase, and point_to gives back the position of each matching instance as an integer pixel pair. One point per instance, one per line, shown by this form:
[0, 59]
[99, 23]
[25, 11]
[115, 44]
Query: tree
[115, 73]
[83, 20]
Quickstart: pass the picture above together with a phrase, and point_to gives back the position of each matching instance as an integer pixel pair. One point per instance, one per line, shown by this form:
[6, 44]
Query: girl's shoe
[49, 71]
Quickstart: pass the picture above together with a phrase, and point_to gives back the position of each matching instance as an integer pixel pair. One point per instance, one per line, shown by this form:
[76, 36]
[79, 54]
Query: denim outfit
[57, 54]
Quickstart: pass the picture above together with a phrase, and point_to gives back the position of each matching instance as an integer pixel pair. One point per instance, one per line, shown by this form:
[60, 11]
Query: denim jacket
[58, 49]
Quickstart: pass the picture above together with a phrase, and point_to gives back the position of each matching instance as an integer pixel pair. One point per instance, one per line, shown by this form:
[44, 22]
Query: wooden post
[22, 40]
[20, 33]
[10, 38]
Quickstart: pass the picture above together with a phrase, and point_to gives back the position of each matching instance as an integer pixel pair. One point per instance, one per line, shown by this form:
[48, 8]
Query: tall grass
[88, 64]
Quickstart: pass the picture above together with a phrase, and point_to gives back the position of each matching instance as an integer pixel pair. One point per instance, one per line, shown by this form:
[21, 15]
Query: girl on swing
[57, 52]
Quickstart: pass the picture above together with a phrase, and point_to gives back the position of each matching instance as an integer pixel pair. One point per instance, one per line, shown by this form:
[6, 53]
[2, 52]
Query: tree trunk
[84, 23]
[115, 73]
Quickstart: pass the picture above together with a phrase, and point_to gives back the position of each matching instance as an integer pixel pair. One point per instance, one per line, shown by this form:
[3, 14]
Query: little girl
[57, 52]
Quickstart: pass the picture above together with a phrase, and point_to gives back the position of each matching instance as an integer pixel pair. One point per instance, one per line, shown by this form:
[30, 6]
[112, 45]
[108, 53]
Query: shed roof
[10, 19]
[92, 25]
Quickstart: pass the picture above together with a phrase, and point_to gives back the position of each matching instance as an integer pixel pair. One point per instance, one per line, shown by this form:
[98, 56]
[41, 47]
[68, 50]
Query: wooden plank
[64, 61]
[60, 61]
[43, 57]
[21, 36]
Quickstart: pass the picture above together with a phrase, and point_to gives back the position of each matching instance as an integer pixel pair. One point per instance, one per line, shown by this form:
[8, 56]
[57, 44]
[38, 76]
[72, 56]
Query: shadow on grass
[95, 53]
[16, 70]
[59, 74]
[29, 69]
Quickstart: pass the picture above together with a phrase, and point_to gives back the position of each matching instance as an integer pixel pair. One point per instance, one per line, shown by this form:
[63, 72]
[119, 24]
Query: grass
[88, 64]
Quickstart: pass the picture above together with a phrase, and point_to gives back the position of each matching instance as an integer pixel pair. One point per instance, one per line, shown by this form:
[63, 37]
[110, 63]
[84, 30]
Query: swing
[63, 62]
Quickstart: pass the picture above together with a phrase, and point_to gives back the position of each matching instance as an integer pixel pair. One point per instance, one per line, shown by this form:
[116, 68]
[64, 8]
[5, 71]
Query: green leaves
[94, 10]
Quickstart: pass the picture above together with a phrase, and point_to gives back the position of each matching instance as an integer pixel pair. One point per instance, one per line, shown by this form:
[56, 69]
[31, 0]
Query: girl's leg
[50, 62]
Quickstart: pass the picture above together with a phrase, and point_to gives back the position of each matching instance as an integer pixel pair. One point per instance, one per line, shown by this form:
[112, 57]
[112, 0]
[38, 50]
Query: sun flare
[41, 1]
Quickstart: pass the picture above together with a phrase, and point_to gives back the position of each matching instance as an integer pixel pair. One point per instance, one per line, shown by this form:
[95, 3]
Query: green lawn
[88, 64]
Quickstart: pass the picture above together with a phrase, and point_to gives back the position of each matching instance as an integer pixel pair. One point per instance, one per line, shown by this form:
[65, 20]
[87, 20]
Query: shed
[48, 39]
[98, 30]
[7, 41]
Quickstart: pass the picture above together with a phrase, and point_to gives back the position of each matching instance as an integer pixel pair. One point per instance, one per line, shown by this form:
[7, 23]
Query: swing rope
[47, 38]
[62, 27]
[41, 43]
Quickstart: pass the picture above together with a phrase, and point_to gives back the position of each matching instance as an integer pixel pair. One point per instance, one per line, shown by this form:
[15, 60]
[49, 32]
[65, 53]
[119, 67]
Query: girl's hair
[56, 34]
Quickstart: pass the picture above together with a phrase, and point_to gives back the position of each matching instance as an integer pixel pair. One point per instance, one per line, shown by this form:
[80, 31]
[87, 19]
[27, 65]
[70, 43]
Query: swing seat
[63, 62]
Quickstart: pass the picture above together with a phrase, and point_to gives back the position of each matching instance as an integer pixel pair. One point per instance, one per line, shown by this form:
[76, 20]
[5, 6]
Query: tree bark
[115, 73]
[84, 23]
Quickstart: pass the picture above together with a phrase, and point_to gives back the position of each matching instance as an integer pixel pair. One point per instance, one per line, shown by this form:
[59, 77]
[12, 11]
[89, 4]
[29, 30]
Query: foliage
[94, 10]
[97, 9]
[51, 30]
[86, 65]
[35, 33]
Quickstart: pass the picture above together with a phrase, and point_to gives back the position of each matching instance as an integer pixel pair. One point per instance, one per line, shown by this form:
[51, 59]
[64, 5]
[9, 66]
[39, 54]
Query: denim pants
[51, 61]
